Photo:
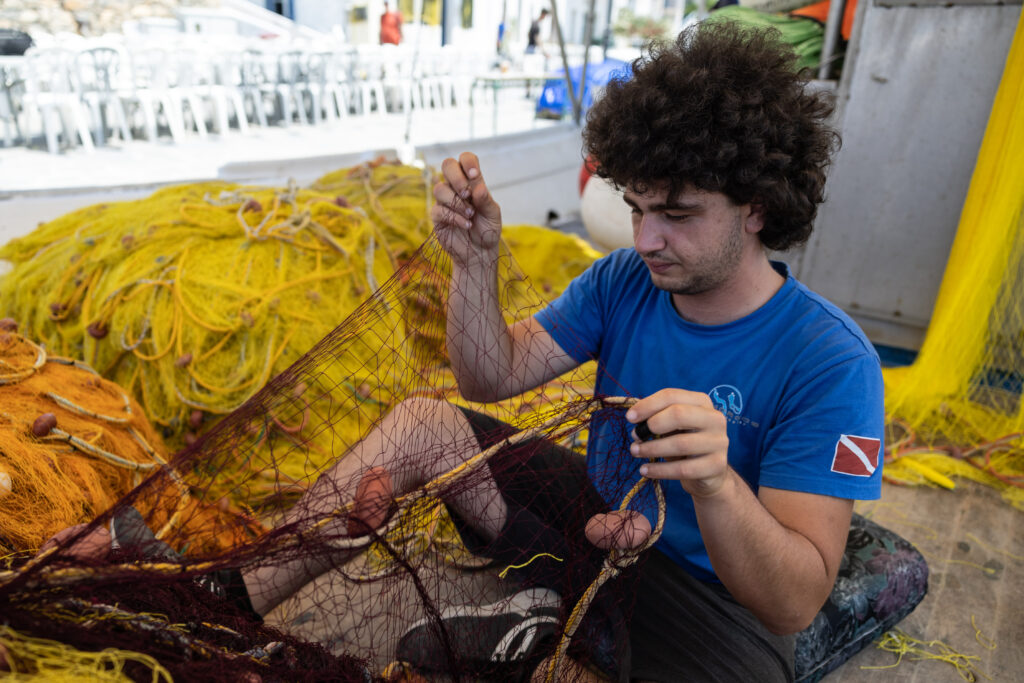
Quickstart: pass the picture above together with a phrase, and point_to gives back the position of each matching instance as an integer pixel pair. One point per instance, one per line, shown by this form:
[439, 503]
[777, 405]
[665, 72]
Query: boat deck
[973, 541]
[974, 544]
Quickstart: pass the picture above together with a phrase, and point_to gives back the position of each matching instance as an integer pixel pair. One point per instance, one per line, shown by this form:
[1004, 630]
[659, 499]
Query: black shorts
[538, 475]
[680, 628]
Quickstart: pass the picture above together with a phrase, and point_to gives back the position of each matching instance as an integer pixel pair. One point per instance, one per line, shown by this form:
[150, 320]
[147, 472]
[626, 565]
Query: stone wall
[86, 17]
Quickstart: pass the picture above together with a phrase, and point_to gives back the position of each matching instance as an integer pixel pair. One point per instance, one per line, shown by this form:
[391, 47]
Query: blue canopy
[554, 99]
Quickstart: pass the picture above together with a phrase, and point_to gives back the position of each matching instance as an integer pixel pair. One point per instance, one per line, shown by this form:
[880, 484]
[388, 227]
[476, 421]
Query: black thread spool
[643, 432]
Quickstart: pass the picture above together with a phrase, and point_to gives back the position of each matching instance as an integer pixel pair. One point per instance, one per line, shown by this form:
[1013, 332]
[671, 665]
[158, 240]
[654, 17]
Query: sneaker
[485, 638]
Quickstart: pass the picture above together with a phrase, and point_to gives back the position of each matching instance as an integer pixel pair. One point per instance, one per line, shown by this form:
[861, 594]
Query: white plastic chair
[444, 71]
[337, 84]
[236, 73]
[368, 71]
[150, 91]
[12, 88]
[260, 80]
[292, 84]
[51, 94]
[219, 86]
[99, 71]
[321, 87]
[184, 88]
[429, 73]
[464, 66]
[400, 82]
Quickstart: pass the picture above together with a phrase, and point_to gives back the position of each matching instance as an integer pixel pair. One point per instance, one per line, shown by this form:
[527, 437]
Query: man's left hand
[689, 436]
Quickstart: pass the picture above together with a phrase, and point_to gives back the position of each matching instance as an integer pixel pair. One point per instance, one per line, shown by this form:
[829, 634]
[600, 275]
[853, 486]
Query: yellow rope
[991, 548]
[206, 291]
[903, 645]
[37, 660]
[613, 563]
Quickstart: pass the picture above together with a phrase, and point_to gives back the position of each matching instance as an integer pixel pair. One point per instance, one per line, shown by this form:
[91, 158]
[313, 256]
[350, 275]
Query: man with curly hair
[760, 406]
[761, 402]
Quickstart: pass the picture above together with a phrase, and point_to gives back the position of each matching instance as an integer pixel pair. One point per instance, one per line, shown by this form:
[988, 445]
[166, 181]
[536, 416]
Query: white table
[497, 81]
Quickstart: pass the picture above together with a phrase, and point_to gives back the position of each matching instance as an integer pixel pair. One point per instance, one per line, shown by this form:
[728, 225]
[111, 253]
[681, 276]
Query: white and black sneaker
[483, 640]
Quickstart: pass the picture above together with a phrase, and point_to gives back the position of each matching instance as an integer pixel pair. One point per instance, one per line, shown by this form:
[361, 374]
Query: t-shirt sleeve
[829, 436]
[575, 319]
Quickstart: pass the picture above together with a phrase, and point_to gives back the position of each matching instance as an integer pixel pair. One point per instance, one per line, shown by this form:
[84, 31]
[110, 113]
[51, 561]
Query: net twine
[613, 564]
[285, 420]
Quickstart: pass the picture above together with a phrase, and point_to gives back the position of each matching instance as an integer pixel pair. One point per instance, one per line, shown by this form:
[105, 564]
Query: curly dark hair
[725, 109]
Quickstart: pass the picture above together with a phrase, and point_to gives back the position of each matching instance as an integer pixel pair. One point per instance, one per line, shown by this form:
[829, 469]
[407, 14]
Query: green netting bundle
[804, 35]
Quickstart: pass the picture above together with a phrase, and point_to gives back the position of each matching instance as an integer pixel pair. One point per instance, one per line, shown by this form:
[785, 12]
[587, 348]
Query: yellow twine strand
[993, 549]
[982, 639]
[901, 644]
[530, 561]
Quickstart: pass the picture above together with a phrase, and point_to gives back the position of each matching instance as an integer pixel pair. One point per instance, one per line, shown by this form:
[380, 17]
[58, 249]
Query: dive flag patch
[856, 455]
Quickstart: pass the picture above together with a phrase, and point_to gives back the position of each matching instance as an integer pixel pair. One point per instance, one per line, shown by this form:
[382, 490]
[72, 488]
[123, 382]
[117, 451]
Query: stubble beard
[711, 271]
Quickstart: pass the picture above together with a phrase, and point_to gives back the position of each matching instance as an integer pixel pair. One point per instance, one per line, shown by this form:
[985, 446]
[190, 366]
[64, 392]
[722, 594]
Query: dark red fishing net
[249, 504]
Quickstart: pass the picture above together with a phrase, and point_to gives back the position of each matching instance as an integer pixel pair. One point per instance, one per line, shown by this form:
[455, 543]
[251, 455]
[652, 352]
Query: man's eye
[676, 217]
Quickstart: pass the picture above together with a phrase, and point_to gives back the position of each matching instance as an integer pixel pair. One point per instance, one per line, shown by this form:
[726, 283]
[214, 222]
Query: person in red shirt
[390, 26]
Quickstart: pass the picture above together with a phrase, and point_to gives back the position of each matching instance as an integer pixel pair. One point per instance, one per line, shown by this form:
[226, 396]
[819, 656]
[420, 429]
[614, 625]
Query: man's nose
[646, 234]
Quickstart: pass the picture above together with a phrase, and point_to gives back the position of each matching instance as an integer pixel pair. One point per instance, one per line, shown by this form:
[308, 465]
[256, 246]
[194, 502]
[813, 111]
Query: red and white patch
[856, 455]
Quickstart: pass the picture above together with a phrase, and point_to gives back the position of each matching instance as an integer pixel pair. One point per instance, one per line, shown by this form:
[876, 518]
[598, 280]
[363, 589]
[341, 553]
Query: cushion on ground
[881, 580]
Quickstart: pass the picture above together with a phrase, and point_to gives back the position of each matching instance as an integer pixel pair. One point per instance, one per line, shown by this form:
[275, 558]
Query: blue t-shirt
[799, 382]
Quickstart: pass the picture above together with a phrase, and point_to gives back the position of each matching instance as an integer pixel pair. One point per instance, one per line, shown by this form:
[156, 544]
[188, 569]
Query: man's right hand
[467, 218]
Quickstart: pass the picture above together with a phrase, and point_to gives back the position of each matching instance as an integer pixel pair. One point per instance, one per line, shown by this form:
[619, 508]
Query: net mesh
[957, 410]
[282, 487]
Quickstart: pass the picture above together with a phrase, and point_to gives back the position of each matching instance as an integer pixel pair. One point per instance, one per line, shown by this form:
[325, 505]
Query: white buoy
[605, 216]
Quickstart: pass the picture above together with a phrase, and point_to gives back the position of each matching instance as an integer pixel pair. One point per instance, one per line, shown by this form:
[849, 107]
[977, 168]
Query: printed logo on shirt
[856, 455]
[728, 400]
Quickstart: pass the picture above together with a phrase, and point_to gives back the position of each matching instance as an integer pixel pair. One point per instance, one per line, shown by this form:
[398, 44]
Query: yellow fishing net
[957, 410]
[193, 298]
[36, 660]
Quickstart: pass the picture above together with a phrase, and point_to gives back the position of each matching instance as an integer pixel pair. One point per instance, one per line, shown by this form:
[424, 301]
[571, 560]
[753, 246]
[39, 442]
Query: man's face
[694, 243]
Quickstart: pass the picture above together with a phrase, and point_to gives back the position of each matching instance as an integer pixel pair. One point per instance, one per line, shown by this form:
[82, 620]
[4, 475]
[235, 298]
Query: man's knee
[434, 429]
[427, 412]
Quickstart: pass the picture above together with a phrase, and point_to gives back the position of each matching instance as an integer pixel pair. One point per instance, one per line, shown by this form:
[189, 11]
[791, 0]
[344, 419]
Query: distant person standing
[533, 40]
[534, 44]
[390, 26]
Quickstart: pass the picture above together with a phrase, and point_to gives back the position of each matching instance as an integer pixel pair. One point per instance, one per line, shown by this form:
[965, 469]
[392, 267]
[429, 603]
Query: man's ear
[755, 219]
